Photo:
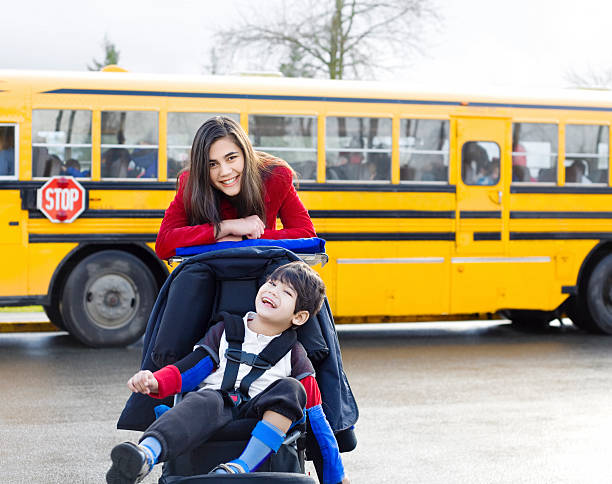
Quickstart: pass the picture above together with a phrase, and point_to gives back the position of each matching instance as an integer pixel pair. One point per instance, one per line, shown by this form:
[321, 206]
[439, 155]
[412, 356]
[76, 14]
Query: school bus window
[358, 149]
[586, 153]
[181, 130]
[7, 151]
[534, 152]
[480, 163]
[424, 148]
[292, 138]
[61, 142]
[129, 144]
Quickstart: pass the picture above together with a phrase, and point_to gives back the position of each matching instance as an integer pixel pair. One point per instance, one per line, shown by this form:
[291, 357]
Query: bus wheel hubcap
[111, 301]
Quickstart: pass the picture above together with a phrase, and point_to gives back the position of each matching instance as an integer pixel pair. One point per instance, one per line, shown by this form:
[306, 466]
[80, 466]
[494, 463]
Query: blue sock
[265, 439]
[154, 446]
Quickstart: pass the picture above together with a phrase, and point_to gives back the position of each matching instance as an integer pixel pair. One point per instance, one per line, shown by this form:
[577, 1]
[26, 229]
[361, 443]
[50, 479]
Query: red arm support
[169, 381]
[313, 394]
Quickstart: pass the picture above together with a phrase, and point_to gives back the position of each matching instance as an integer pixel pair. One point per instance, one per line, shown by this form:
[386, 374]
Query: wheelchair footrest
[251, 478]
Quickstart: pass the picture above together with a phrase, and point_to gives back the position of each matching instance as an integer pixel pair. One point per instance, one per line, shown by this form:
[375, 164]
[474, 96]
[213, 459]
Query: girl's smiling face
[226, 164]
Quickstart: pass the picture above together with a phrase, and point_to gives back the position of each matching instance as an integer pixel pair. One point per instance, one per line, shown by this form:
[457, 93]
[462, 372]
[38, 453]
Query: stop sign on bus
[61, 199]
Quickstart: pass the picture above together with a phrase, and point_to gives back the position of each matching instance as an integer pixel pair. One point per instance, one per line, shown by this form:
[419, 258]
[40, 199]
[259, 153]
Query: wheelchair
[228, 280]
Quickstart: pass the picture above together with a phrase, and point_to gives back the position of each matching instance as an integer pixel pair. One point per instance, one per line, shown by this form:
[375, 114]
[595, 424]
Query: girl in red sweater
[231, 192]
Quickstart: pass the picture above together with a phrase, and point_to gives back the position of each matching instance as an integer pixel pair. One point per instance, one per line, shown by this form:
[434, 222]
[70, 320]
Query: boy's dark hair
[308, 285]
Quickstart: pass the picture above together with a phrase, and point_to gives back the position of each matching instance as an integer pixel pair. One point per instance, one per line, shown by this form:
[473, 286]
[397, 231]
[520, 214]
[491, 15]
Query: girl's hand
[253, 227]
[143, 382]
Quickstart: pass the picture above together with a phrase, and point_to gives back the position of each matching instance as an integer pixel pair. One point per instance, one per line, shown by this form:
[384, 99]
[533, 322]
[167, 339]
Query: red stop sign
[61, 199]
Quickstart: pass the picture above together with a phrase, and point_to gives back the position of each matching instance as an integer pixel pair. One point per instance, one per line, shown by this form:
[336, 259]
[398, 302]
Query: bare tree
[334, 38]
[111, 56]
[590, 79]
[214, 62]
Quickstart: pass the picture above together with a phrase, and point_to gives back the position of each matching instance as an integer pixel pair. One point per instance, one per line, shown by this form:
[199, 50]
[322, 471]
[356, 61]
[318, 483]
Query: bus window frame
[560, 178]
[111, 108]
[267, 149]
[499, 164]
[71, 145]
[331, 114]
[448, 152]
[587, 122]
[16, 163]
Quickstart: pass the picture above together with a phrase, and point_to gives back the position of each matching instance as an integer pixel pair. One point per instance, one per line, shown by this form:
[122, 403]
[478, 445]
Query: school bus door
[14, 272]
[482, 224]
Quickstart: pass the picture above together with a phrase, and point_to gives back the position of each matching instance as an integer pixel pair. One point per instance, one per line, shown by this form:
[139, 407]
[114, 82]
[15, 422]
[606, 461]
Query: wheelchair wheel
[251, 478]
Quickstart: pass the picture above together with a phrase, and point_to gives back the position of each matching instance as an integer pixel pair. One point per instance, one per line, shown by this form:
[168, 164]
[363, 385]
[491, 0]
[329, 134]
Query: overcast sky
[482, 42]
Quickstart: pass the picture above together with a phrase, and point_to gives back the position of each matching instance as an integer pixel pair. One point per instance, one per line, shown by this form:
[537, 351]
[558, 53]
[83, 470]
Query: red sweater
[280, 199]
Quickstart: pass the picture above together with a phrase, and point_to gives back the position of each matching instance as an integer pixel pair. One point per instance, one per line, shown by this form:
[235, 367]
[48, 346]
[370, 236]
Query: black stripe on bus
[129, 185]
[560, 235]
[335, 236]
[23, 300]
[446, 214]
[91, 185]
[276, 97]
[479, 214]
[34, 213]
[487, 235]
[42, 238]
[517, 214]
[381, 236]
[302, 187]
[153, 214]
[560, 190]
[373, 187]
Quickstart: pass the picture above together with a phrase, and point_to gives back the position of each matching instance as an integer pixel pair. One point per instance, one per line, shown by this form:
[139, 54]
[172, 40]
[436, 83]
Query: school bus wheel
[107, 299]
[598, 296]
[54, 314]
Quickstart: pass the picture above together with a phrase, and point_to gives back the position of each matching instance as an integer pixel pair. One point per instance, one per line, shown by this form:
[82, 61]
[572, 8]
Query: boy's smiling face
[275, 304]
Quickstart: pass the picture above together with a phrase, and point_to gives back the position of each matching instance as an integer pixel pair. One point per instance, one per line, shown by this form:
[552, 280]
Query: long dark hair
[201, 198]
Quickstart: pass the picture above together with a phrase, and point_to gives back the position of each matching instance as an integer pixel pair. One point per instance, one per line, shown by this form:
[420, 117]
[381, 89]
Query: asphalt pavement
[469, 402]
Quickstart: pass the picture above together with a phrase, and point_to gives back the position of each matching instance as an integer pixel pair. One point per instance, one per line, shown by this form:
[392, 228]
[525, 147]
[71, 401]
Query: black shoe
[131, 464]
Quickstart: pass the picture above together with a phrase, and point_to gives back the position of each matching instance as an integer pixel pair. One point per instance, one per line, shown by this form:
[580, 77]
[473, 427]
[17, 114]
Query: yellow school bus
[434, 205]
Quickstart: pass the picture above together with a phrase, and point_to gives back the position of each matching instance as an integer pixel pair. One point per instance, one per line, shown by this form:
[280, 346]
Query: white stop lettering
[64, 199]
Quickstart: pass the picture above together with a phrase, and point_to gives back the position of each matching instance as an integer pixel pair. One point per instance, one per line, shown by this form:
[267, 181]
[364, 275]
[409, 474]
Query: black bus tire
[599, 295]
[107, 299]
[55, 316]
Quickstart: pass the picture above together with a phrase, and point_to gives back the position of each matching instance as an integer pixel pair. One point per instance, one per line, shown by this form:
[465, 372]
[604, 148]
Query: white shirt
[253, 343]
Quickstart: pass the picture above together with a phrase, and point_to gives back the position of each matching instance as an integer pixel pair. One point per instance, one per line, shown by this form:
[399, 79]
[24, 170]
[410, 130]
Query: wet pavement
[469, 402]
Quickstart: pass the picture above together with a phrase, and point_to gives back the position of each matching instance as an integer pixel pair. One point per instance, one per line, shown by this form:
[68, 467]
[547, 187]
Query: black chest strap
[234, 334]
[270, 355]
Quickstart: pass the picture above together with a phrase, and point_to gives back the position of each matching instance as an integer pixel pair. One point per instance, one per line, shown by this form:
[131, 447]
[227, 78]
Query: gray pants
[200, 414]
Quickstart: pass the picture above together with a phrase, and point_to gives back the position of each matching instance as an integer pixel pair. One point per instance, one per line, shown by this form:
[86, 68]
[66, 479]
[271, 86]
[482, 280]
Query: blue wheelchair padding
[194, 376]
[160, 410]
[340, 405]
[266, 434]
[312, 245]
[333, 470]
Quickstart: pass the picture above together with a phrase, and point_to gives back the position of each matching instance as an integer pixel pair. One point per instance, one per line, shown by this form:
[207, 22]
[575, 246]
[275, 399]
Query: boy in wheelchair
[267, 376]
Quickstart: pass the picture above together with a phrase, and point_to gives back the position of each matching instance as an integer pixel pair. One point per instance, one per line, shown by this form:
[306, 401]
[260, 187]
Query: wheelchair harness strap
[270, 356]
